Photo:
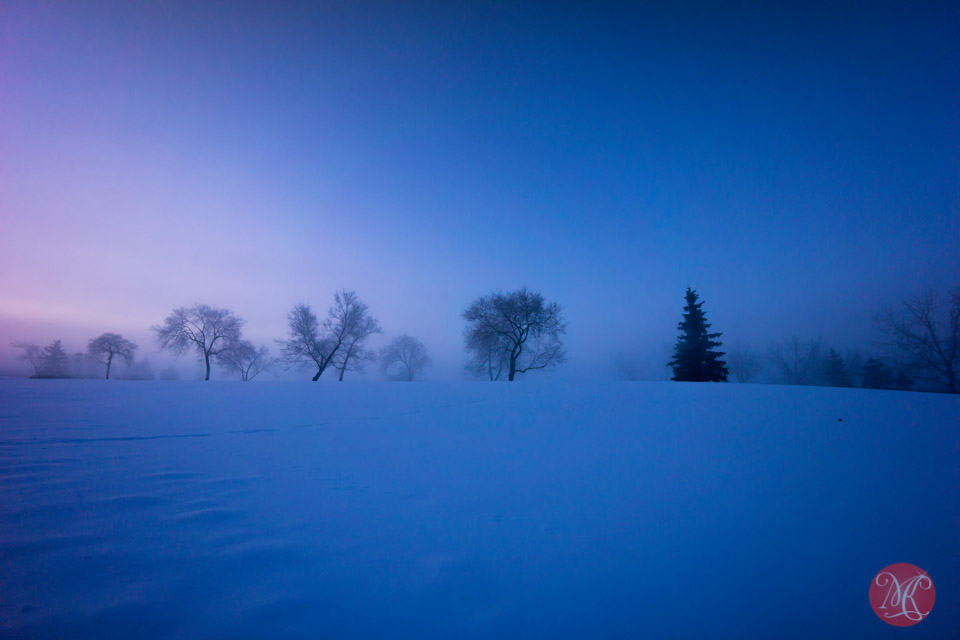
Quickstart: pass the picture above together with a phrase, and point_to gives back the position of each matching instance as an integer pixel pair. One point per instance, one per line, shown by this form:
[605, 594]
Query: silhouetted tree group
[796, 361]
[923, 344]
[339, 339]
[508, 334]
[215, 335]
[52, 361]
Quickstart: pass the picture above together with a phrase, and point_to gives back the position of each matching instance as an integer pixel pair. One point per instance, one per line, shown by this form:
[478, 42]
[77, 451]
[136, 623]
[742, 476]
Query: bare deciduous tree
[208, 330]
[745, 363]
[108, 345]
[353, 354]
[246, 359]
[305, 343]
[403, 359]
[316, 343]
[31, 353]
[488, 353]
[924, 335]
[798, 361]
[517, 330]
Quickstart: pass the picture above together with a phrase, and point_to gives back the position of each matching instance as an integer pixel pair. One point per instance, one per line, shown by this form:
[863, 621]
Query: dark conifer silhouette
[53, 362]
[876, 375]
[694, 358]
[835, 372]
[902, 382]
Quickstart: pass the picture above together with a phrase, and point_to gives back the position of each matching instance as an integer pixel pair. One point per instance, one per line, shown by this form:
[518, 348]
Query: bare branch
[31, 353]
[924, 339]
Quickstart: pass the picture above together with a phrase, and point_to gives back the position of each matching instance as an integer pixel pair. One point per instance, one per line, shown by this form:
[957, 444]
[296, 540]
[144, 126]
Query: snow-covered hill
[560, 510]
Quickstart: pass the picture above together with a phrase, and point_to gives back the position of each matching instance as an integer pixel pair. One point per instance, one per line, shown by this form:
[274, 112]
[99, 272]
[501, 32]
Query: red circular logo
[902, 594]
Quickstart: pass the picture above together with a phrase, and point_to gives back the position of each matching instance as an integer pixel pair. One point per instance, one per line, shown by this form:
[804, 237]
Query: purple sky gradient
[798, 167]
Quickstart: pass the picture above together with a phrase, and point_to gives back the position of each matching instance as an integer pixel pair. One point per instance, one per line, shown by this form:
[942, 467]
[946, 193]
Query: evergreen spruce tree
[902, 382]
[53, 362]
[876, 375]
[835, 371]
[694, 358]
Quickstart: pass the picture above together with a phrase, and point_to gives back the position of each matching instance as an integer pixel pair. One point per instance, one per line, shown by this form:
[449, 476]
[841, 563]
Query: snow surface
[553, 510]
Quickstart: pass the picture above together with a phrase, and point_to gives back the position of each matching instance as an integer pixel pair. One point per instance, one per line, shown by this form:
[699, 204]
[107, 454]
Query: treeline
[919, 349]
[215, 336]
[811, 362]
[100, 360]
[507, 334]
[510, 334]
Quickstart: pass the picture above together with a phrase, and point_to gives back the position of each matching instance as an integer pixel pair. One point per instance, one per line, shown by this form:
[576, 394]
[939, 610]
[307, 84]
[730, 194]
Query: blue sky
[797, 165]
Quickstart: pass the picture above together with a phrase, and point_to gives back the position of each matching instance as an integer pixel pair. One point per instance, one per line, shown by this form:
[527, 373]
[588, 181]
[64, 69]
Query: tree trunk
[346, 359]
[206, 361]
[514, 356]
[109, 360]
[317, 377]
